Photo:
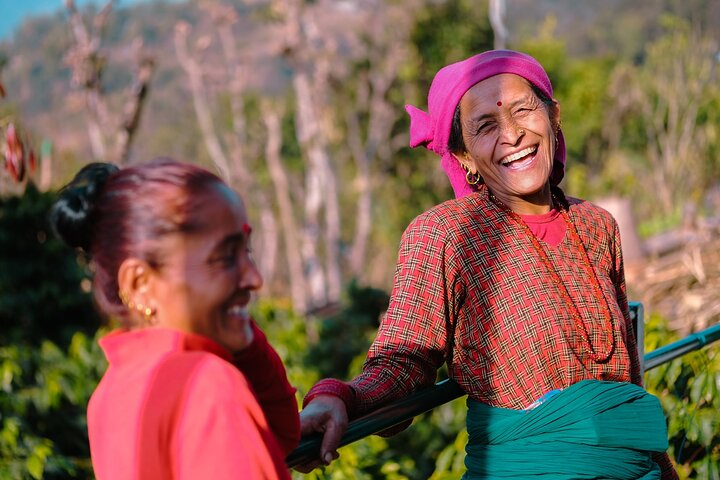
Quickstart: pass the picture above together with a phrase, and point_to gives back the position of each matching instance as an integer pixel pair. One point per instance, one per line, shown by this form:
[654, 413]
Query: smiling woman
[193, 389]
[519, 289]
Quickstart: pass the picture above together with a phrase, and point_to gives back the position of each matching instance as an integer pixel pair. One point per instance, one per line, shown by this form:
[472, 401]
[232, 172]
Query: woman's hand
[326, 414]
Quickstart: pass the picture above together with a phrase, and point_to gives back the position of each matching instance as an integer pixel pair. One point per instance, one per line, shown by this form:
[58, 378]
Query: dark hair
[456, 143]
[113, 214]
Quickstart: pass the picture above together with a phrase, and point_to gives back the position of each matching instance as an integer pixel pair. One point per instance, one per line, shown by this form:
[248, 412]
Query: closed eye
[228, 252]
[224, 260]
[524, 109]
[484, 127]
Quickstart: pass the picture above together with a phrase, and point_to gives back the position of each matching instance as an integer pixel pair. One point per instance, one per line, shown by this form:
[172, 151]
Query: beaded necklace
[574, 311]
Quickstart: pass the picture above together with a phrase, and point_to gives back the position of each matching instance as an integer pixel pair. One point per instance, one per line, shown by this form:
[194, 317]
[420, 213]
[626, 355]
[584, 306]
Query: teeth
[237, 310]
[518, 155]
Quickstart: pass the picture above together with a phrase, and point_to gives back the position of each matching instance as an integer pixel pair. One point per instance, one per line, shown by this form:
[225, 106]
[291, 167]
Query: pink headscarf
[432, 129]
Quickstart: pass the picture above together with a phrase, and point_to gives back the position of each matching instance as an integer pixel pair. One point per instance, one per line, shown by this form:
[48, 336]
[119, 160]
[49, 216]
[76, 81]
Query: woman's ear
[554, 115]
[466, 162]
[134, 280]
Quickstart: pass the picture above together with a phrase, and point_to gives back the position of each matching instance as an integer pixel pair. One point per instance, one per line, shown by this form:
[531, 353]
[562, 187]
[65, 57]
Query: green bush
[44, 291]
[43, 396]
[689, 389]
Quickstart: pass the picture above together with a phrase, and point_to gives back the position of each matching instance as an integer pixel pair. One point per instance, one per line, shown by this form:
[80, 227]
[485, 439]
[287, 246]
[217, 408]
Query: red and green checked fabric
[470, 289]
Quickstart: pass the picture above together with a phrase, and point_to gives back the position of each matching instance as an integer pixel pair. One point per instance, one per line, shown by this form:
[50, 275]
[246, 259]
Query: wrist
[334, 388]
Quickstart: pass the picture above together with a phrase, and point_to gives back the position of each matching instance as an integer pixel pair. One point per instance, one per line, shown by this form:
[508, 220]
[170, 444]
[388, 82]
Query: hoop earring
[472, 178]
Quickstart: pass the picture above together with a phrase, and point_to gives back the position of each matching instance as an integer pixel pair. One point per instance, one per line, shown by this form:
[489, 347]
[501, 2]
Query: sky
[14, 12]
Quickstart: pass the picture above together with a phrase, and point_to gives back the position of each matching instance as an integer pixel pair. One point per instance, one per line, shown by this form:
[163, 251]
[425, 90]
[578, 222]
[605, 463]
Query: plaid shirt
[471, 290]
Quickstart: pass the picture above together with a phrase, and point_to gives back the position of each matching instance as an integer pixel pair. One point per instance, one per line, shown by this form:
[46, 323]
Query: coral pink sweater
[176, 405]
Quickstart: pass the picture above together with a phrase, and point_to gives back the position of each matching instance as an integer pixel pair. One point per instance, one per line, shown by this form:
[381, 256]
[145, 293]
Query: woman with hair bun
[193, 389]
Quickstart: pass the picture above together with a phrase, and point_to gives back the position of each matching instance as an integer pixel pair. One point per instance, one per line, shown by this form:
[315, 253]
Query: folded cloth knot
[422, 130]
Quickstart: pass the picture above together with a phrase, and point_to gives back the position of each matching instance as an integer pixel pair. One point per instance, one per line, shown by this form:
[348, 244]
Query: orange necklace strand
[574, 311]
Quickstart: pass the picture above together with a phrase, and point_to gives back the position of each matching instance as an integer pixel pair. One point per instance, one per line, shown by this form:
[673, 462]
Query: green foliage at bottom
[43, 397]
[689, 389]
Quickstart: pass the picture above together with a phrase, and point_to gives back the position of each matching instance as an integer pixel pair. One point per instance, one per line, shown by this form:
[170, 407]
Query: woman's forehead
[495, 92]
[503, 85]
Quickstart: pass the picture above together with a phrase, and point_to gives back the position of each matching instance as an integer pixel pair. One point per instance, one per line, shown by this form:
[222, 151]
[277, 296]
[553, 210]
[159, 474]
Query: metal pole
[381, 419]
[694, 341]
[447, 390]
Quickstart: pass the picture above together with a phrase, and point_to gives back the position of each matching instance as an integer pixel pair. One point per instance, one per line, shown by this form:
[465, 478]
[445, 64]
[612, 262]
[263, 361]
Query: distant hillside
[38, 81]
[602, 27]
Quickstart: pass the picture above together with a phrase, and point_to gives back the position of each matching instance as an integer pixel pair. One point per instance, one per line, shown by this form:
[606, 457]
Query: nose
[250, 277]
[511, 132]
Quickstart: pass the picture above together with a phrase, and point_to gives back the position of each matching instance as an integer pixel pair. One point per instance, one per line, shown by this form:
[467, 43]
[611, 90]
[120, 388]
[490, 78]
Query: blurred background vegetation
[299, 105]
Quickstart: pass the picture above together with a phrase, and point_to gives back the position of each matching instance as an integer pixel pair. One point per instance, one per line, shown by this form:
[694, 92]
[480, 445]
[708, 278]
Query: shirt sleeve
[221, 430]
[622, 300]
[264, 370]
[413, 339]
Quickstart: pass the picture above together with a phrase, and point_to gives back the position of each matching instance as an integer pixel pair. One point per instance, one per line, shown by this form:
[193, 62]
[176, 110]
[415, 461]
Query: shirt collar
[123, 344]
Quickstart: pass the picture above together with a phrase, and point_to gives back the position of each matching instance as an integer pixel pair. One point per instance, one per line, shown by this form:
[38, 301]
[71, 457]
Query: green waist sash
[592, 429]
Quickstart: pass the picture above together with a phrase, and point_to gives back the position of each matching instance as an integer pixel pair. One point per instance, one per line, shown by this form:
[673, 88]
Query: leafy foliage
[348, 333]
[689, 388]
[49, 362]
[43, 396]
[448, 32]
[43, 291]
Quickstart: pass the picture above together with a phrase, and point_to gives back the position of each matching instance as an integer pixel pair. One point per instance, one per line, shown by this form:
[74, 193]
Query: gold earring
[147, 312]
[472, 178]
[126, 300]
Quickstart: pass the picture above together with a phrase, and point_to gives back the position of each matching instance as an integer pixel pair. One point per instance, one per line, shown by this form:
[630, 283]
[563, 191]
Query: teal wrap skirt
[592, 429]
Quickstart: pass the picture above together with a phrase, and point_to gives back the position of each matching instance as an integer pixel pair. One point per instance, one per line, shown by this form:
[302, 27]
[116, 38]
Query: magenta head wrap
[432, 129]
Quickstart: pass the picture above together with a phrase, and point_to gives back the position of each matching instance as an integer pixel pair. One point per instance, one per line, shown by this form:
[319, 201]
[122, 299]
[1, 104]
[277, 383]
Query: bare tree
[272, 115]
[203, 112]
[497, 10]
[387, 39]
[327, 126]
[304, 50]
[110, 137]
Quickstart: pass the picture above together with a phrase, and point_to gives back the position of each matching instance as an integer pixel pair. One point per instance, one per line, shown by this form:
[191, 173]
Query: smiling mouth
[238, 311]
[519, 155]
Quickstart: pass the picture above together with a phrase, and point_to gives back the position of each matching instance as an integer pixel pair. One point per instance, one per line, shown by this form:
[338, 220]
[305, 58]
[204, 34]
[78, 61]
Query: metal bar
[447, 390]
[381, 419]
[694, 341]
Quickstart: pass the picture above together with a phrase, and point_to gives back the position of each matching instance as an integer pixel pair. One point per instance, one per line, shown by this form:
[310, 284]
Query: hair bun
[71, 214]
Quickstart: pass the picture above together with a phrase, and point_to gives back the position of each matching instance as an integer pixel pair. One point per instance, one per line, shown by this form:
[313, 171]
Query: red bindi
[499, 104]
[246, 228]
